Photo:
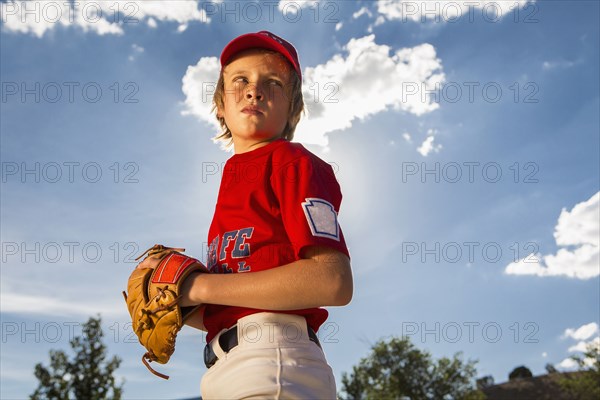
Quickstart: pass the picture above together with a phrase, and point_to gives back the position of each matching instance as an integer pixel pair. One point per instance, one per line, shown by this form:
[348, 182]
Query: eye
[239, 80]
[275, 82]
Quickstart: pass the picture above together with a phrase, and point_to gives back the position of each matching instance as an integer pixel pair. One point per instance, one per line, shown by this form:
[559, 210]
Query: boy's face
[256, 104]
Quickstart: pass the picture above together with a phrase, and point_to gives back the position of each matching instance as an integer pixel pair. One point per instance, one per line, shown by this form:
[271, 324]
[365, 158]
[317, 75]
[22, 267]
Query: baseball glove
[153, 302]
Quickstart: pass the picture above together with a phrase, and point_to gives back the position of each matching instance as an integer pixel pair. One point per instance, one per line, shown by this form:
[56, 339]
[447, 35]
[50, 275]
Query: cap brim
[254, 40]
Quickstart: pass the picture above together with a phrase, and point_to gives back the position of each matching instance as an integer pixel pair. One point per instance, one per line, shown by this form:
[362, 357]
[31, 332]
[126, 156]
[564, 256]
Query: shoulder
[295, 163]
[291, 152]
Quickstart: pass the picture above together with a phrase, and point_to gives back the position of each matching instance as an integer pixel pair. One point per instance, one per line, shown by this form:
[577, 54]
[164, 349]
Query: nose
[254, 92]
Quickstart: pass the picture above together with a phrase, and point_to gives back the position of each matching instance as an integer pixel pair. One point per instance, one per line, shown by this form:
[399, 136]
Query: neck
[242, 146]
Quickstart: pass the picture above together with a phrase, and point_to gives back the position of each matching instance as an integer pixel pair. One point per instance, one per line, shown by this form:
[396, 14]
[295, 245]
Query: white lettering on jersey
[322, 218]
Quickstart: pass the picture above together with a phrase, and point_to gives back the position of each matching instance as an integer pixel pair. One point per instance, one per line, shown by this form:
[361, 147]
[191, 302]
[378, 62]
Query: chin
[260, 137]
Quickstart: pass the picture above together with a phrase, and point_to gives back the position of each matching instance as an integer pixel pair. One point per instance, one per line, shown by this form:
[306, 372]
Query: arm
[323, 277]
[196, 320]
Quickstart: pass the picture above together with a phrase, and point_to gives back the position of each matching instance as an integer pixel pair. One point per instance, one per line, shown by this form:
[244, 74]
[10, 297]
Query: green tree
[551, 369]
[585, 384]
[485, 382]
[519, 373]
[88, 376]
[395, 369]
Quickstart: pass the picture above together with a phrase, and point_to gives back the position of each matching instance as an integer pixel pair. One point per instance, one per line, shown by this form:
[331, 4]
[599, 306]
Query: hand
[154, 256]
[149, 262]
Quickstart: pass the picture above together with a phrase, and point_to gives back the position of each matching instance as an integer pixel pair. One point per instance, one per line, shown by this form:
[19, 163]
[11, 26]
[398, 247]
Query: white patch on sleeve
[322, 218]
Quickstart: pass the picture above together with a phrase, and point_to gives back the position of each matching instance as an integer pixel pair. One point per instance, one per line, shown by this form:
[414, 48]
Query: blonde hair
[293, 92]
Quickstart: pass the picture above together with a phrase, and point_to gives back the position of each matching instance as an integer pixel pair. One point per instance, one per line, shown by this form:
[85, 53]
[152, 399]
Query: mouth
[252, 110]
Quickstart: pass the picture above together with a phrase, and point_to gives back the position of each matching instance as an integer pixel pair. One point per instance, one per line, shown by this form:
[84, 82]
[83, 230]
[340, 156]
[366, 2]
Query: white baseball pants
[274, 359]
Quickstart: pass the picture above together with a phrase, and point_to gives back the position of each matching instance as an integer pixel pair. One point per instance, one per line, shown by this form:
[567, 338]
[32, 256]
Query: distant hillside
[542, 387]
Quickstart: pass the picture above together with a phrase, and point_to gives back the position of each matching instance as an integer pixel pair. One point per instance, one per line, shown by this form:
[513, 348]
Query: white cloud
[292, 7]
[198, 85]
[579, 227]
[368, 79]
[584, 332]
[407, 137]
[361, 12]
[181, 11]
[379, 21]
[567, 363]
[65, 288]
[100, 17]
[427, 146]
[70, 287]
[38, 17]
[91, 16]
[559, 64]
[581, 347]
[136, 50]
[581, 334]
[33, 303]
[446, 10]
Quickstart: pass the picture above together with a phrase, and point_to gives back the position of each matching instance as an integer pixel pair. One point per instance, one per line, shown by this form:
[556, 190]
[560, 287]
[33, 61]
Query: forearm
[325, 280]
[196, 320]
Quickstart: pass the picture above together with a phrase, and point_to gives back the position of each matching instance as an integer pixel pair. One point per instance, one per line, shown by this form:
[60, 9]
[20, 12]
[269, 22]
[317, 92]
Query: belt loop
[216, 347]
[312, 336]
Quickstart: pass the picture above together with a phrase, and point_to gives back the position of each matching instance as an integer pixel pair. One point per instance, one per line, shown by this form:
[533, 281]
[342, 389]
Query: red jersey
[273, 202]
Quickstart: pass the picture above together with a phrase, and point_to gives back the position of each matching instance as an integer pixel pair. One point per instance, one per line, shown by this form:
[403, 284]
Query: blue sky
[471, 216]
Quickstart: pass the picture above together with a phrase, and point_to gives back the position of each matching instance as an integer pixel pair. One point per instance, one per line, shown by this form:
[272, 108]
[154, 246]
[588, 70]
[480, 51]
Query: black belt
[229, 339]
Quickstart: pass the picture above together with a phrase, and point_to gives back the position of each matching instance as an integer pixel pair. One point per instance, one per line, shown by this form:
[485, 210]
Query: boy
[276, 252]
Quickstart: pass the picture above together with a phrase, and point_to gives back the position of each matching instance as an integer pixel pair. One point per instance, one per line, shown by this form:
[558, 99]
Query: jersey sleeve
[309, 199]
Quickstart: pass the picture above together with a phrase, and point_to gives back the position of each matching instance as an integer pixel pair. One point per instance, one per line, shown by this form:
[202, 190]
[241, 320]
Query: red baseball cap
[264, 40]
